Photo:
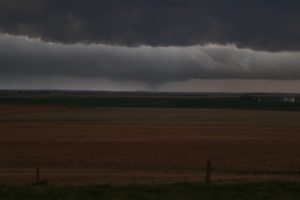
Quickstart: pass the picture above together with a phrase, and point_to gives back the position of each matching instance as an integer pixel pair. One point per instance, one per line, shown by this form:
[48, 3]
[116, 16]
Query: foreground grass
[241, 191]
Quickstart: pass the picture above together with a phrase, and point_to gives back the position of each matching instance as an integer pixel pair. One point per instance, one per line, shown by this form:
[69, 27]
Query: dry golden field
[136, 145]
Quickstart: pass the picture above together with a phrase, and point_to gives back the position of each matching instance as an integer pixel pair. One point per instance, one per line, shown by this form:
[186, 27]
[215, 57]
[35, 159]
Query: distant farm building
[289, 99]
[268, 98]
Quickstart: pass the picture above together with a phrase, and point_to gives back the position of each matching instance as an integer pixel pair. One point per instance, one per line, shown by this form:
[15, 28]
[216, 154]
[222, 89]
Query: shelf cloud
[153, 45]
[149, 66]
[269, 25]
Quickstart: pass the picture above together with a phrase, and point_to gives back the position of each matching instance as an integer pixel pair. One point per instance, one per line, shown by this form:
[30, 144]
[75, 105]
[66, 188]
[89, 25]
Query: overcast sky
[153, 45]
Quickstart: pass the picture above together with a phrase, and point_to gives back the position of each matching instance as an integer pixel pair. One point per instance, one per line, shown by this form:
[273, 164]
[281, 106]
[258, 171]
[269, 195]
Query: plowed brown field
[128, 145]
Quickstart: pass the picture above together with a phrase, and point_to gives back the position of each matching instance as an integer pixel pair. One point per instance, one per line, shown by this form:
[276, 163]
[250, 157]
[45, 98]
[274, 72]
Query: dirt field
[129, 145]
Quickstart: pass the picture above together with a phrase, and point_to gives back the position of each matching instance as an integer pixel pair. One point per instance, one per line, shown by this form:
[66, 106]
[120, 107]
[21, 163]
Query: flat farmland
[146, 145]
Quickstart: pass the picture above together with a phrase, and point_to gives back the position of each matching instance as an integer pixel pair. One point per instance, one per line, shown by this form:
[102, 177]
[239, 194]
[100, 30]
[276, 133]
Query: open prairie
[144, 145]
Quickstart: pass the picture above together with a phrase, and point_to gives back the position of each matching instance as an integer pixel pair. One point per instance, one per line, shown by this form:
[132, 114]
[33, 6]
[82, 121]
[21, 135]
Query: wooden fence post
[37, 174]
[208, 172]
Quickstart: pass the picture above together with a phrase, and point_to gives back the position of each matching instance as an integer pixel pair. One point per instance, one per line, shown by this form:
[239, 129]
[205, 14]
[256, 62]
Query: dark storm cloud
[23, 57]
[258, 24]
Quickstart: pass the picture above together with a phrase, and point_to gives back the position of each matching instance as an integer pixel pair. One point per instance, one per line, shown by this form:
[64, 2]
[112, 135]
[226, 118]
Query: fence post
[208, 172]
[37, 174]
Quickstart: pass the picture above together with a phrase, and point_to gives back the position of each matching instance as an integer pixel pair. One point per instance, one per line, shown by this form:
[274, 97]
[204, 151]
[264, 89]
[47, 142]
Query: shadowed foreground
[253, 191]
